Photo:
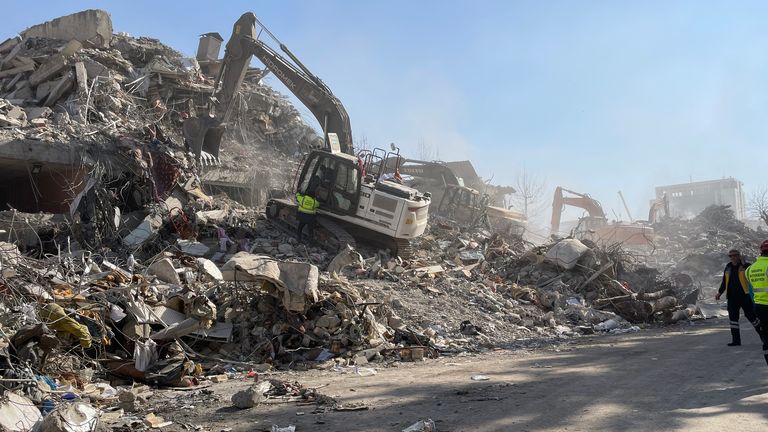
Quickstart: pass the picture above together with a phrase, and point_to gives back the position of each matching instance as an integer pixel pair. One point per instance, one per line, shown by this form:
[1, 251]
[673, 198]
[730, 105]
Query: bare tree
[361, 143]
[530, 197]
[758, 204]
[427, 152]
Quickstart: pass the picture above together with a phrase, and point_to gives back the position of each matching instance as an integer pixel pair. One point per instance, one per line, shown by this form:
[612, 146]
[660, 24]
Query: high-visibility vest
[307, 204]
[757, 274]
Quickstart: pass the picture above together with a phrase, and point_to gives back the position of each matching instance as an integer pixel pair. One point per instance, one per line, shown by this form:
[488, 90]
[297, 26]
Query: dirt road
[682, 378]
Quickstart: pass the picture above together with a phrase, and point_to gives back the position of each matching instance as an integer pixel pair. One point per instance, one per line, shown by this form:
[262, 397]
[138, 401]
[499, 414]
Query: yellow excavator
[359, 202]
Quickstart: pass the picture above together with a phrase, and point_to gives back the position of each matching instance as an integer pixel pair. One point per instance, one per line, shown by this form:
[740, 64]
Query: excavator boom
[204, 133]
[584, 201]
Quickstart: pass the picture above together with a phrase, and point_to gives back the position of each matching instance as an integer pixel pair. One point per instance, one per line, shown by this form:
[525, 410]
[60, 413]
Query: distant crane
[621, 195]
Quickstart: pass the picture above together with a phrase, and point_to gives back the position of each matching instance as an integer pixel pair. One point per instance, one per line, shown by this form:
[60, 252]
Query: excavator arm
[431, 170]
[204, 133]
[660, 205]
[584, 201]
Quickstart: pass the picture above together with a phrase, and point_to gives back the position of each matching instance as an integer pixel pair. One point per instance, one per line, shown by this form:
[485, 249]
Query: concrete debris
[150, 270]
[72, 417]
[18, 413]
[427, 425]
[92, 26]
[251, 396]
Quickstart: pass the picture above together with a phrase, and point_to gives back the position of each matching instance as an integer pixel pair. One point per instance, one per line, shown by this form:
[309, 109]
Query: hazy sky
[596, 96]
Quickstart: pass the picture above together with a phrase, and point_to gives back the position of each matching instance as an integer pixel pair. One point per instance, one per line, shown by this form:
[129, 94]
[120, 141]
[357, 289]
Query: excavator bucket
[203, 134]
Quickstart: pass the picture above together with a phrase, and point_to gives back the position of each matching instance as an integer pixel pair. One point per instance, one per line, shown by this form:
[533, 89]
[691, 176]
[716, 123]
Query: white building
[689, 199]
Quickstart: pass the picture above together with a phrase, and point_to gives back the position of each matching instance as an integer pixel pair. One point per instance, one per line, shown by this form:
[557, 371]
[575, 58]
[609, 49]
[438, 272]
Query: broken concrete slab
[55, 64]
[193, 248]
[8, 122]
[43, 90]
[38, 112]
[146, 229]
[93, 26]
[62, 86]
[14, 81]
[14, 71]
[72, 417]
[165, 271]
[9, 44]
[209, 268]
[81, 74]
[17, 113]
[71, 48]
[251, 396]
[17, 413]
[11, 55]
[95, 69]
[566, 253]
[21, 93]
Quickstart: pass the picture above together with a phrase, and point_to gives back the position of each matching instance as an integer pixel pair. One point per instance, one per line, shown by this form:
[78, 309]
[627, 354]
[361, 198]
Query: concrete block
[71, 48]
[82, 77]
[38, 112]
[62, 86]
[165, 271]
[8, 44]
[24, 92]
[55, 64]
[18, 69]
[93, 26]
[14, 81]
[43, 90]
[95, 69]
[11, 55]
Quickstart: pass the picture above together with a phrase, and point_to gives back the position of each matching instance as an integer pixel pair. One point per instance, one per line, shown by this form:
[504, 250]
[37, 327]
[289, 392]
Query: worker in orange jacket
[735, 285]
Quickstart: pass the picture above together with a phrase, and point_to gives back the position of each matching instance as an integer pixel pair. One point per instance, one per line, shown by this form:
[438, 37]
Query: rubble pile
[62, 89]
[146, 281]
[697, 248]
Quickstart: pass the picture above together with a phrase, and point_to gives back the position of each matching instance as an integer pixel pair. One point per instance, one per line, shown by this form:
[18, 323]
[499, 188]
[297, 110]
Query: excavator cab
[333, 179]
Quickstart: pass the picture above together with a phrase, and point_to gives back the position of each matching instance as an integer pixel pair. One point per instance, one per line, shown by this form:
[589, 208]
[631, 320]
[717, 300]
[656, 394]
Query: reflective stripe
[734, 326]
[759, 289]
[733, 322]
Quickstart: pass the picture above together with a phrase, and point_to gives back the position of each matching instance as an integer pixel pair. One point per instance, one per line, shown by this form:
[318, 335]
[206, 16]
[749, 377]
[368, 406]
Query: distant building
[689, 199]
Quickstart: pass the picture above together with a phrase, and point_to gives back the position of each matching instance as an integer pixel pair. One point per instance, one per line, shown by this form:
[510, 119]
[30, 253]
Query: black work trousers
[306, 220]
[761, 311]
[735, 303]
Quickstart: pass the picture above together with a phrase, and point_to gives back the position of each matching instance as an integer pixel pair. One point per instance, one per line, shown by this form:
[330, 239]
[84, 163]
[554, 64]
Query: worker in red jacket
[735, 286]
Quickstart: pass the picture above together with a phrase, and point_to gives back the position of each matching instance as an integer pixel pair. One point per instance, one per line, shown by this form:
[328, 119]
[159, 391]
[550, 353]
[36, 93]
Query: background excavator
[456, 201]
[659, 208]
[596, 227]
[356, 201]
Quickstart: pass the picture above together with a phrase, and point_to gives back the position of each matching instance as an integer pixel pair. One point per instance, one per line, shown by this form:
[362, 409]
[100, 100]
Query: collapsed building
[127, 261]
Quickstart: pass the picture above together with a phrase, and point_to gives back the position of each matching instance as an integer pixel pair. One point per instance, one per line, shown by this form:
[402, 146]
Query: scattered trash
[290, 428]
[427, 425]
[480, 378]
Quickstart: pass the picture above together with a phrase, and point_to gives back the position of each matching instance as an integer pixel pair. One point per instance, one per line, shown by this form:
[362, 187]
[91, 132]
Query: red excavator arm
[584, 201]
[658, 206]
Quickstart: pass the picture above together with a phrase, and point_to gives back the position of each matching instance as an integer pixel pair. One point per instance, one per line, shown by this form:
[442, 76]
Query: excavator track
[331, 235]
[328, 234]
[339, 233]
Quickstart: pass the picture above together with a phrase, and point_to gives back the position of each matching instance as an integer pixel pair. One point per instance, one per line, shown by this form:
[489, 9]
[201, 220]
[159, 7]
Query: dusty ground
[681, 378]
